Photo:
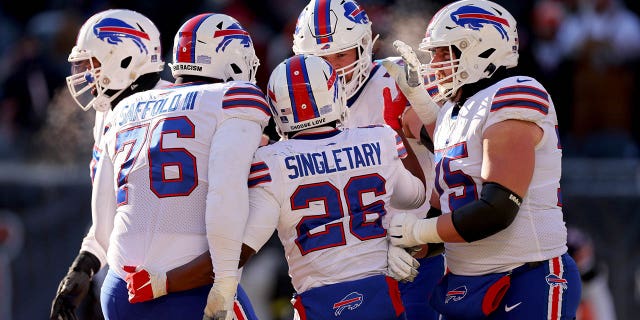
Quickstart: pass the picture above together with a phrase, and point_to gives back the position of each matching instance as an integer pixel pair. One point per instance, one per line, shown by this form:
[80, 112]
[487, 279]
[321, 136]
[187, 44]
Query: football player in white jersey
[340, 32]
[498, 162]
[327, 192]
[172, 178]
[117, 54]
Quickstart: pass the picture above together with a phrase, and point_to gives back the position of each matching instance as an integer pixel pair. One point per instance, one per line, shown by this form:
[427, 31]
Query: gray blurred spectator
[603, 39]
[11, 239]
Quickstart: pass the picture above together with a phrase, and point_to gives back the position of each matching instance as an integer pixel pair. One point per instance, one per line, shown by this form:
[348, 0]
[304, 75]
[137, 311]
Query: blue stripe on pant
[179, 305]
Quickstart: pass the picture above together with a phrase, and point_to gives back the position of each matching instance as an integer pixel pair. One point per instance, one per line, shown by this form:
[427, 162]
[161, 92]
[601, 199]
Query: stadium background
[45, 140]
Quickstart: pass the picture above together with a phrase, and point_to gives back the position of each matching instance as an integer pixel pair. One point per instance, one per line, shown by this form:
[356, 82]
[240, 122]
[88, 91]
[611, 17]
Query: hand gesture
[393, 108]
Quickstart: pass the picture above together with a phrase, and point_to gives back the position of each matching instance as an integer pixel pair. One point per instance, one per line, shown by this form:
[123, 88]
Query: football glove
[411, 83]
[74, 287]
[393, 108]
[220, 300]
[406, 230]
[144, 285]
[401, 265]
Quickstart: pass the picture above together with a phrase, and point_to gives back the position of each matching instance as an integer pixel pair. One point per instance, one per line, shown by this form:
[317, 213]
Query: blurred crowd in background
[585, 52]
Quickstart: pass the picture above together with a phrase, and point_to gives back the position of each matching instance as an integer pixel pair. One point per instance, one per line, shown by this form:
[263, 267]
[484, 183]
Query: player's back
[332, 188]
[160, 142]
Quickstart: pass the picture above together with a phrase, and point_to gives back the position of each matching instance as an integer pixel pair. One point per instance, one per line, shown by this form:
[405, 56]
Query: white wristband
[426, 231]
[426, 109]
[158, 284]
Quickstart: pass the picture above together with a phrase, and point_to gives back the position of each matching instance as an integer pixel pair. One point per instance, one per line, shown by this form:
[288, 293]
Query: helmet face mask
[304, 92]
[214, 46]
[327, 27]
[481, 37]
[114, 47]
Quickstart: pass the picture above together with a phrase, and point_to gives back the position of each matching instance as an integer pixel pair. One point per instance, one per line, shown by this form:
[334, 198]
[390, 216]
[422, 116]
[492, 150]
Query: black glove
[74, 287]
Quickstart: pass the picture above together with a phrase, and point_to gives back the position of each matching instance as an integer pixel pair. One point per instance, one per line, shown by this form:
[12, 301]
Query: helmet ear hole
[487, 53]
[124, 63]
[236, 69]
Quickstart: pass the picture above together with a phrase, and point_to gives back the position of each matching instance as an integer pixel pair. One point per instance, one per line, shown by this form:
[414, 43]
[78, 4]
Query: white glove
[406, 230]
[220, 300]
[401, 265]
[411, 83]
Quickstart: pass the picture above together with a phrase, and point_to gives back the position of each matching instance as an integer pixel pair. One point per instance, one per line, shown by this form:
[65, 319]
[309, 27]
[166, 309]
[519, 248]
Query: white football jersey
[538, 231]
[327, 193]
[89, 242]
[366, 107]
[98, 132]
[151, 190]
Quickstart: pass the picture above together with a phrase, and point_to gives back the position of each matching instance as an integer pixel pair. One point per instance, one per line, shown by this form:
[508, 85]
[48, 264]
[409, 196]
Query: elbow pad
[493, 212]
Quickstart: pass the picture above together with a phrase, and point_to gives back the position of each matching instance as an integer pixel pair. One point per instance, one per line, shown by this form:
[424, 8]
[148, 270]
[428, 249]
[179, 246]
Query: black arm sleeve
[425, 139]
[493, 212]
[86, 262]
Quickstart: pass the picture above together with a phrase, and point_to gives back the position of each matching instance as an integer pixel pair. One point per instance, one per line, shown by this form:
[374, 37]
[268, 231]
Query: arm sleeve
[264, 212]
[103, 210]
[232, 149]
[409, 192]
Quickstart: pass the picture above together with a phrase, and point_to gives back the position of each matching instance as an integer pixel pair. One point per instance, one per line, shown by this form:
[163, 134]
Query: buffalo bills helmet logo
[355, 13]
[234, 32]
[555, 281]
[475, 18]
[456, 294]
[114, 30]
[351, 301]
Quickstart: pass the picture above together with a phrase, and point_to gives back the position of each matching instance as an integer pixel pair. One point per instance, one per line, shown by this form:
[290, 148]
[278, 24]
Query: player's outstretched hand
[411, 83]
[393, 108]
[401, 265]
[220, 300]
[144, 285]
